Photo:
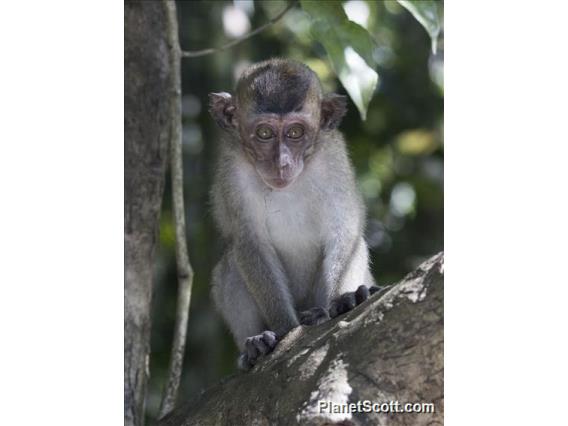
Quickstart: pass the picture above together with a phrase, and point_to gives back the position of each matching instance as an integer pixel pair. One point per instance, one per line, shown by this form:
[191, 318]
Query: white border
[506, 118]
[61, 242]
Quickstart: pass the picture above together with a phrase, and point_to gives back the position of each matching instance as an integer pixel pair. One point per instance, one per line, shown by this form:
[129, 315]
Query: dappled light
[235, 21]
[357, 11]
[357, 77]
[402, 199]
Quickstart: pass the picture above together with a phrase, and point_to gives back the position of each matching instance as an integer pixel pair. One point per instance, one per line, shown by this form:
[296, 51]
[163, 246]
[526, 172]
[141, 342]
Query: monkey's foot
[256, 347]
[314, 316]
[348, 301]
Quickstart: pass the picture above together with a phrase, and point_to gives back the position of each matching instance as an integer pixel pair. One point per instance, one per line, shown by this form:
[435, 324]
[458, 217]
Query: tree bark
[146, 133]
[390, 348]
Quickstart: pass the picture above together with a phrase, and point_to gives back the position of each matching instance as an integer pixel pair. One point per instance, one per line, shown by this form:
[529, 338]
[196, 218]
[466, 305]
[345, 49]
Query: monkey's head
[277, 114]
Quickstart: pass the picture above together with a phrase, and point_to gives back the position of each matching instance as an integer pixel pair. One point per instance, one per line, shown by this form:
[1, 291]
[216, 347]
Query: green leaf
[349, 47]
[429, 13]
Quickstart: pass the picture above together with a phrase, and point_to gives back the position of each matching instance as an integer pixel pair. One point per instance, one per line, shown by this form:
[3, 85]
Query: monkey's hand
[348, 301]
[314, 316]
[256, 347]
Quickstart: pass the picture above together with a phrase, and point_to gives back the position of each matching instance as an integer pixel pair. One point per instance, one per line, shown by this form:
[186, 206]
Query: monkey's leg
[266, 281]
[240, 312]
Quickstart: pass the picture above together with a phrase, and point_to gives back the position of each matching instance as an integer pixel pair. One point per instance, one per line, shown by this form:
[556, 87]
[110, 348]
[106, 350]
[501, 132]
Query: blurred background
[397, 153]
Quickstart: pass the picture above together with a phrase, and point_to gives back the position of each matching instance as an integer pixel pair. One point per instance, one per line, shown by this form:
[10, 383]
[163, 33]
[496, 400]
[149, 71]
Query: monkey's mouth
[278, 180]
[278, 183]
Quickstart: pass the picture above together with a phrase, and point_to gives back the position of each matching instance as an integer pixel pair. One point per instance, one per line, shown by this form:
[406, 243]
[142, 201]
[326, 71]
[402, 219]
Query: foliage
[350, 48]
[429, 14]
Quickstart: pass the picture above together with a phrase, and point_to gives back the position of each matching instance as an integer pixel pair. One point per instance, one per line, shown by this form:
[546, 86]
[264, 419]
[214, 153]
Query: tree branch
[389, 349]
[184, 270]
[204, 52]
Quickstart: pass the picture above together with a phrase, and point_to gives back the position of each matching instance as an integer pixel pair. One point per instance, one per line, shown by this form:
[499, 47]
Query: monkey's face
[278, 144]
[276, 117]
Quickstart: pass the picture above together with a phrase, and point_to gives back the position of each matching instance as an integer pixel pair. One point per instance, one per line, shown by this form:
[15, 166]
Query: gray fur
[289, 250]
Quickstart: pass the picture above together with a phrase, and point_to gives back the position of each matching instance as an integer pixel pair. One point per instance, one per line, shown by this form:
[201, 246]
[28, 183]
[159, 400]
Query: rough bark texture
[388, 349]
[146, 109]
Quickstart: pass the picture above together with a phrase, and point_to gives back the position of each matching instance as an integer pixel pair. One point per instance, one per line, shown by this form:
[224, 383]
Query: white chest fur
[294, 229]
[291, 221]
[292, 224]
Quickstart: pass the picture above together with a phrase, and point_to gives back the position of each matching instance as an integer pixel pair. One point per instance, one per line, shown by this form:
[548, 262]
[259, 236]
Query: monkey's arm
[346, 280]
[344, 277]
[337, 255]
[266, 281]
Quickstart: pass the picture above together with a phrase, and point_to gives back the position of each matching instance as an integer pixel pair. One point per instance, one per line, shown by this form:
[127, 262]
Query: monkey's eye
[295, 132]
[264, 132]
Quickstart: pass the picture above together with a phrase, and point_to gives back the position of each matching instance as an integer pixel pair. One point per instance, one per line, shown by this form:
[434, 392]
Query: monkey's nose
[283, 170]
[283, 163]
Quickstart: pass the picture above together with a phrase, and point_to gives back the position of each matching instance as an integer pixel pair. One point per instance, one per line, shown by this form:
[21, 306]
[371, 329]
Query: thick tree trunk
[388, 349]
[146, 133]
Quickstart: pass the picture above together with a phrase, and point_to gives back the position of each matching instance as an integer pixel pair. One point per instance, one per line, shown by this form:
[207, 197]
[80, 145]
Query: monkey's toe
[378, 289]
[256, 347]
[348, 301]
[269, 338]
[374, 289]
[342, 304]
[314, 316]
[243, 362]
[260, 344]
[362, 294]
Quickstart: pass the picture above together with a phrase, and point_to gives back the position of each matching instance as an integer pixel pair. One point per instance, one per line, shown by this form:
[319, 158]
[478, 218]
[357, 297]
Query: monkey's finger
[251, 350]
[374, 289]
[344, 303]
[259, 345]
[380, 289]
[305, 317]
[269, 339]
[320, 315]
[243, 362]
[361, 294]
[314, 316]
[347, 303]
[335, 308]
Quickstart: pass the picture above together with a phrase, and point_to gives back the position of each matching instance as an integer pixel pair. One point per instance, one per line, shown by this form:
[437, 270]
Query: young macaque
[287, 206]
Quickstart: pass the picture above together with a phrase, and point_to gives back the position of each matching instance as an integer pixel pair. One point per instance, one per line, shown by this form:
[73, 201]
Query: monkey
[285, 201]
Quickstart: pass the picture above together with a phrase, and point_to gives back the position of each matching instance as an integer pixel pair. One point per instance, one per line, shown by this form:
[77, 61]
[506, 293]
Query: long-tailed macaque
[287, 206]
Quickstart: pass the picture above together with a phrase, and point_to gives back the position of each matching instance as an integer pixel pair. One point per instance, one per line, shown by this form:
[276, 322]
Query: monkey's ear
[333, 108]
[222, 108]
